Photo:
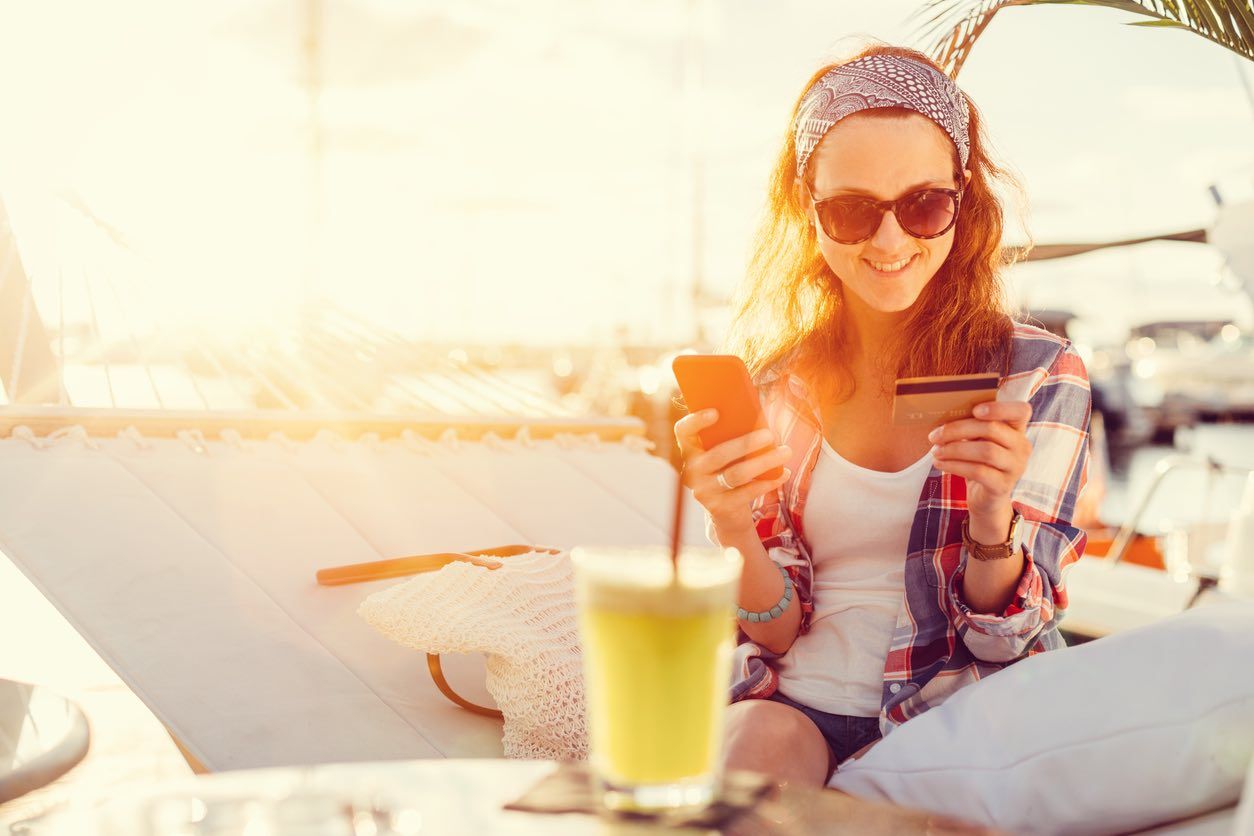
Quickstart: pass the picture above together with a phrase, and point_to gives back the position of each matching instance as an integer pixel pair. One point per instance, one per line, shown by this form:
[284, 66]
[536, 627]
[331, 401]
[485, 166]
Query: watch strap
[996, 551]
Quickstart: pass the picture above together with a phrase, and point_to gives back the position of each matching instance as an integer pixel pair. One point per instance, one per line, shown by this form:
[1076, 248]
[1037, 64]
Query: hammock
[189, 565]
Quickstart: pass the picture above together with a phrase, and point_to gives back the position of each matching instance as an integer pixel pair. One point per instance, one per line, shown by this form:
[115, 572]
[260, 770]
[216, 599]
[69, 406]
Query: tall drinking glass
[657, 663]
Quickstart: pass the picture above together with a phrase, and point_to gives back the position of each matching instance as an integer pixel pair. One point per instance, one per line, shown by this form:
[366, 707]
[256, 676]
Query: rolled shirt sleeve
[1045, 497]
[753, 677]
[782, 547]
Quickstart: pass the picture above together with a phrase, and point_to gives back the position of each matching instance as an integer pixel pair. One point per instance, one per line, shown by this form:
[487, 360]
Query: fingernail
[981, 411]
[709, 414]
[787, 473]
[934, 435]
[787, 451]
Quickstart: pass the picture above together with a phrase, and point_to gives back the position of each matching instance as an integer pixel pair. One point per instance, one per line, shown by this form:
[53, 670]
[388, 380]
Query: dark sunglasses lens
[850, 220]
[927, 213]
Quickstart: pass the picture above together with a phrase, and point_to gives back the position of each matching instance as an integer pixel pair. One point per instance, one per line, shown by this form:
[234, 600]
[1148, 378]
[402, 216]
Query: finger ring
[722, 480]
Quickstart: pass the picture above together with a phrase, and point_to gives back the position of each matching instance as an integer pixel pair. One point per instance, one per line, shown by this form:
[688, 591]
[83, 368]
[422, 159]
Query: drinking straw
[677, 523]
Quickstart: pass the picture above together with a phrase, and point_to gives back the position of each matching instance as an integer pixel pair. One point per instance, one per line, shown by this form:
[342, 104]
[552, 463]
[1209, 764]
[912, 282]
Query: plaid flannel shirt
[940, 644]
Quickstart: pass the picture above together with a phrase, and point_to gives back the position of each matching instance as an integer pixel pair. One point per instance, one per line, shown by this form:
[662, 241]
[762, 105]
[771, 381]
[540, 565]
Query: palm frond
[954, 26]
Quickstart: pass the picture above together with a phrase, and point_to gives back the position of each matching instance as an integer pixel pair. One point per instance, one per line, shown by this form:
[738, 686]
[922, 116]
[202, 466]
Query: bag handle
[398, 567]
[437, 675]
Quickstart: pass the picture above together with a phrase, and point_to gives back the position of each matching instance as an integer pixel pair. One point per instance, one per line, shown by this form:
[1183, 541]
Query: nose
[889, 237]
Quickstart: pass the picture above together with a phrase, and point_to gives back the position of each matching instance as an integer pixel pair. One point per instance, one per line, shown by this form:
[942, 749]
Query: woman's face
[883, 157]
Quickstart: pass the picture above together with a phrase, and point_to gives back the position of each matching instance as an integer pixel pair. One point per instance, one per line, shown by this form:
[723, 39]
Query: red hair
[789, 306]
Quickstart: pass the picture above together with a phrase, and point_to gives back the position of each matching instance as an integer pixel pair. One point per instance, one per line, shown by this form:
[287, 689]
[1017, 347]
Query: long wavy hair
[788, 310]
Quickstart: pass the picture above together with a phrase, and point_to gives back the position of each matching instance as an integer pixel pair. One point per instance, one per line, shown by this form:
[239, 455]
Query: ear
[966, 177]
[802, 195]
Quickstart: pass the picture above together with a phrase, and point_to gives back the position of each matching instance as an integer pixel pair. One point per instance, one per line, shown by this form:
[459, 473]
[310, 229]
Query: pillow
[1118, 734]
[1245, 810]
[522, 615]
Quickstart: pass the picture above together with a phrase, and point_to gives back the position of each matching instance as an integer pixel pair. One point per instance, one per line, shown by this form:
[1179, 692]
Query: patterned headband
[880, 81]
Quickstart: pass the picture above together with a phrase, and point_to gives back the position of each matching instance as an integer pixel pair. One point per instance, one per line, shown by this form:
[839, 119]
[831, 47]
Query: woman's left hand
[989, 450]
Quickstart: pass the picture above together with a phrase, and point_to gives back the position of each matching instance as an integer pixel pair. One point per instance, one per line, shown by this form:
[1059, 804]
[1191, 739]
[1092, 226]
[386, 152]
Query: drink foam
[640, 579]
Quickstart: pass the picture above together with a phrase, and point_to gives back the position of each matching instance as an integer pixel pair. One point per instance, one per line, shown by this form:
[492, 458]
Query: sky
[523, 171]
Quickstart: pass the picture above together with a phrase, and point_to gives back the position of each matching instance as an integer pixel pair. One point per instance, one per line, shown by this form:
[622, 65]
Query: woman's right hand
[729, 501]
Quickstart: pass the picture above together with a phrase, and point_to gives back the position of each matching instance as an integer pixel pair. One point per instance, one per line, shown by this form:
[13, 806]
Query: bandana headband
[880, 81]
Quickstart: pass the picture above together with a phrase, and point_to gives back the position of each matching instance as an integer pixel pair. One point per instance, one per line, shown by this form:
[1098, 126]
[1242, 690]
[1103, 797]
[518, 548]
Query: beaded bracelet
[775, 611]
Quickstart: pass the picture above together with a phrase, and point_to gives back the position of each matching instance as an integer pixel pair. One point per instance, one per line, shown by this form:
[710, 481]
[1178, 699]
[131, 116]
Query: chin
[893, 304]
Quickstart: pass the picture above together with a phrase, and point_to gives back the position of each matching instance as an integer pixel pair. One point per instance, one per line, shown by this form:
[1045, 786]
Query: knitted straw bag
[522, 616]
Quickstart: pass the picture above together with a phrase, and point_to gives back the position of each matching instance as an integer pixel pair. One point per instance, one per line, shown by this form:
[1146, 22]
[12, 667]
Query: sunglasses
[850, 219]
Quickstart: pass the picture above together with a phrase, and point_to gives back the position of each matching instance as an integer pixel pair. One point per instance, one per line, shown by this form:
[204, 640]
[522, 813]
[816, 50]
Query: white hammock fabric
[189, 565]
[522, 616]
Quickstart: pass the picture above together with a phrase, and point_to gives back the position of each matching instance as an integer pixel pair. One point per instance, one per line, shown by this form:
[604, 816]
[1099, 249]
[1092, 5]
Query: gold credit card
[939, 400]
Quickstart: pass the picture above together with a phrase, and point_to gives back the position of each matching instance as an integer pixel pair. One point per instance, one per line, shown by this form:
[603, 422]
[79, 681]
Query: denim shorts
[845, 735]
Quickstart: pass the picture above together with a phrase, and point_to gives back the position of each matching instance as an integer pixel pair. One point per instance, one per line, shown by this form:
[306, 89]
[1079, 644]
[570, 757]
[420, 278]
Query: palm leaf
[954, 26]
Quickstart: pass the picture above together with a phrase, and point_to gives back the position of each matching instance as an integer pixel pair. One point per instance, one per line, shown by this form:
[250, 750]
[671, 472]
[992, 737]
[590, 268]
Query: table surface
[42, 736]
[435, 796]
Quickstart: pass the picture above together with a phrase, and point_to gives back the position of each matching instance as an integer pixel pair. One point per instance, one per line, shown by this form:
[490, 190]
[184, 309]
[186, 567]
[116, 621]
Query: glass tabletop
[415, 798]
[42, 736]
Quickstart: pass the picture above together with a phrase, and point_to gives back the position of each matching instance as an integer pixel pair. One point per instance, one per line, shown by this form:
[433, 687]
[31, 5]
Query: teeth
[890, 268]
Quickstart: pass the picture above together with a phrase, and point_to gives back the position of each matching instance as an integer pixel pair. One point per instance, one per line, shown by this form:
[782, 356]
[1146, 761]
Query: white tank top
[857, 524]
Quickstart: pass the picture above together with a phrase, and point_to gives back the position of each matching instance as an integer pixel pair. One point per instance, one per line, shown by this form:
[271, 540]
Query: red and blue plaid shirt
[940, 644]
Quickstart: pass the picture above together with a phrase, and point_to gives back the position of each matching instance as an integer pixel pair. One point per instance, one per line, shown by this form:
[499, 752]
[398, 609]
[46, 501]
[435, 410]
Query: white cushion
[1245, 812]
[1121, 733]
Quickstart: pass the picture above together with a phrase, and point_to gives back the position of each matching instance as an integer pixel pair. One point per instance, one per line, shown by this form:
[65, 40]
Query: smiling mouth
[891, 268]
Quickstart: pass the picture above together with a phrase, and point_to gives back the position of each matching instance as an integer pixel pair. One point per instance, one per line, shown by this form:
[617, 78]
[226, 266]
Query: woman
[890, 565]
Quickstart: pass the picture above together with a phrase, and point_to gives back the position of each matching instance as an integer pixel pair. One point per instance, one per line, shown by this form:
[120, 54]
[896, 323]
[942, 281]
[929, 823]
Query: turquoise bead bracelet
[775, 611]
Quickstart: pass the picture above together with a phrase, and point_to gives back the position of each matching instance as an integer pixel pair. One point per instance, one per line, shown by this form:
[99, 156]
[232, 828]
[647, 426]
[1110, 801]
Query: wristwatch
[997, 551]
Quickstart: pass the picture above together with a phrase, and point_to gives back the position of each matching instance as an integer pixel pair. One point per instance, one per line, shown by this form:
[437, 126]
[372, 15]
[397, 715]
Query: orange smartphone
[721, 381]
